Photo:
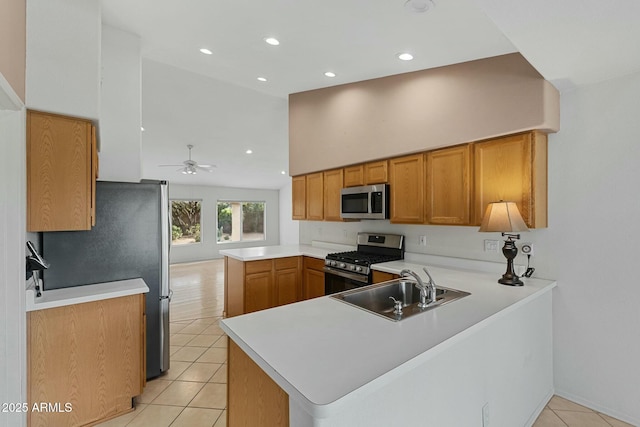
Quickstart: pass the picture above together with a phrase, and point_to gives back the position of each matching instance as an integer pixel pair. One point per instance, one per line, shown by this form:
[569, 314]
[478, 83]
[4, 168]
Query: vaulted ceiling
[223, 109]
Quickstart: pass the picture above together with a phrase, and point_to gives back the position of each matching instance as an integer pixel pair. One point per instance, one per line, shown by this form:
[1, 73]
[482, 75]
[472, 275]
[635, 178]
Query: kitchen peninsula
[488, 354]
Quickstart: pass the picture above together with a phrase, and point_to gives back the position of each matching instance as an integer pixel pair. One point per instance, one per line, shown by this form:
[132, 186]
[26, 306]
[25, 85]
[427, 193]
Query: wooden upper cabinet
[315, 198]
[354, 176]
[513, 168]
[333, 181]
[448, 198]
[406, 181]
[376, 172]
[61, 173]
[299, 200]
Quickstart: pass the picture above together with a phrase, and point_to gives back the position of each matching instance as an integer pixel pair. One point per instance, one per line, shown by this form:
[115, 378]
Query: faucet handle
[397, 309]
[429, 275]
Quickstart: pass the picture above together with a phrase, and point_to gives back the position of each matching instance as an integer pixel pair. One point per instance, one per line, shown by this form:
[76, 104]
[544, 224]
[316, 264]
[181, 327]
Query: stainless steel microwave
[367, 202]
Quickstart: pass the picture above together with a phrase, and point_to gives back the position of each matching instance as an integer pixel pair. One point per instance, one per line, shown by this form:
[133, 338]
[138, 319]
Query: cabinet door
[333, 181]
[313, 283]
[448, 186]
[354, 176]
[513, 168]
[258, 291]
[299, 200]
[407, 189]
[376, 172]
[60, 173]
[382, 276]
[315, 198]
[286, 284]
[313, 280]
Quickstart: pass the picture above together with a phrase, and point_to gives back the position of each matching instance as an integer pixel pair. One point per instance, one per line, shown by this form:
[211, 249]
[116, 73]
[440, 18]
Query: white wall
[63, 57]
[208, 248]
[589, 247]
[12, 252]
[120, 107]
[595, 213]
[289, 229]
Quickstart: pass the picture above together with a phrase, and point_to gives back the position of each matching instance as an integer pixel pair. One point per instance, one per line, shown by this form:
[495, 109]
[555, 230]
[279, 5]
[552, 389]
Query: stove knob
[342, 265]
[352, 267]
[358, 269]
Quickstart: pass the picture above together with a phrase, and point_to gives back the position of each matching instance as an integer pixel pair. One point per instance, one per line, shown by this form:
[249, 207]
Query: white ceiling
[570, 42]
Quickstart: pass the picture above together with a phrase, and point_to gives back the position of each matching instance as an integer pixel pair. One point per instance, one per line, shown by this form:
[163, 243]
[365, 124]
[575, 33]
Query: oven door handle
[347, 275]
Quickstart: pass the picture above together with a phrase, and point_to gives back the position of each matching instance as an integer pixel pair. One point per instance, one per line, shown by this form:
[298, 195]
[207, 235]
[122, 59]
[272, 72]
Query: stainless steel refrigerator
[131, 239]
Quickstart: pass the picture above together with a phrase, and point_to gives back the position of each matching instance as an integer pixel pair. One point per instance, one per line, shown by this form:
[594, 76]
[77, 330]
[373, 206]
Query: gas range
[356, 261]
[347, 270]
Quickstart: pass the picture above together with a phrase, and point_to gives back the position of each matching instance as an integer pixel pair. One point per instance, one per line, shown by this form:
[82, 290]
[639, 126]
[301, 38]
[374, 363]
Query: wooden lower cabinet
[254, 399]
[313, 280]
[257, 285]
[86, 360]
[381, 276]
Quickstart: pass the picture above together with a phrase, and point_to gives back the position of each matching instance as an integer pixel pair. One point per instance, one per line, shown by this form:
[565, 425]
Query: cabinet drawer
[314, 263]
[257, 266]
[289, 262]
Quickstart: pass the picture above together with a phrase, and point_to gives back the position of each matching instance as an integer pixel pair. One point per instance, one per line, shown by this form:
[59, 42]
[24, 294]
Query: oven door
[339, 281]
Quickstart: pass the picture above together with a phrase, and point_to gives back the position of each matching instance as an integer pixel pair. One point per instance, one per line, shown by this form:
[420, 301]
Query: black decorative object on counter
[505, 217]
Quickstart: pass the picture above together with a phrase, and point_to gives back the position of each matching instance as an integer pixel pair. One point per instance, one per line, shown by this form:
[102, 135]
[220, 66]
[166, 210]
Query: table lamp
[505, 217]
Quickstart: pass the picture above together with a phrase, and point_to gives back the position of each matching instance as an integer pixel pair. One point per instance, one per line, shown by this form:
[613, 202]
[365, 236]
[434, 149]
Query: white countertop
[309, 348]
[80, 294]
[316, 250]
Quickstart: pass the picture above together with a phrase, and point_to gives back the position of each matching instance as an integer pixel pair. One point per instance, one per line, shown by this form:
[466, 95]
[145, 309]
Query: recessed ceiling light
[141, 128]
[405, 56]
[249, 151]
[283, 172]
[272, 41]
[418, 6]
[330, 74]
[206, 51]
[262, 79]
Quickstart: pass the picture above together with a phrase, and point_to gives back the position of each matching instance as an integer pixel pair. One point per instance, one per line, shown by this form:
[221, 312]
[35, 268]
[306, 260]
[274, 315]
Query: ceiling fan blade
[207, 166]
[206, 169]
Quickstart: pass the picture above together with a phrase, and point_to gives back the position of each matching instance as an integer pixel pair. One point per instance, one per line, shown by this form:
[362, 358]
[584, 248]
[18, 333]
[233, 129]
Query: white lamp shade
[503, 217]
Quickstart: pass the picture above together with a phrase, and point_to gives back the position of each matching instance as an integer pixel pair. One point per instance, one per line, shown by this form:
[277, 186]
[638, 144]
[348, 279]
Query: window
[240, 221]
[185, 221]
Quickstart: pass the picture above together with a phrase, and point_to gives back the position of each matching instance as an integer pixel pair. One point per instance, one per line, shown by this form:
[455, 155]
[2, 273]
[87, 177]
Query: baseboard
[598, 408]
[540, 408]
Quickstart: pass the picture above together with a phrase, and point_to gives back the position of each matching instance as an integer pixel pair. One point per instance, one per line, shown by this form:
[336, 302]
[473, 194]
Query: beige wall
[413, 112]
[13, 37]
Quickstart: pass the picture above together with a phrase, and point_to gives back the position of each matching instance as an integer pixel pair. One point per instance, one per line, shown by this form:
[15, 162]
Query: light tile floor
[193, 392]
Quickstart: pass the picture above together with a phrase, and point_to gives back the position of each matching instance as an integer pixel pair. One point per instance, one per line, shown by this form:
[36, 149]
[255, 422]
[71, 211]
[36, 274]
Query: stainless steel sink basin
[375, 298]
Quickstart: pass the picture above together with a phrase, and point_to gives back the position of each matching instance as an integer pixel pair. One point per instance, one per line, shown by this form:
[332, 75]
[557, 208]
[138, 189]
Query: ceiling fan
[191, 167]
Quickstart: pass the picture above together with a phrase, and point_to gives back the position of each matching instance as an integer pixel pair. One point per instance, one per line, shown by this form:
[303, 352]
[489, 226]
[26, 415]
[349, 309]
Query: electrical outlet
[485, 415]
[491, 245]
[422, 240]
[527, 249]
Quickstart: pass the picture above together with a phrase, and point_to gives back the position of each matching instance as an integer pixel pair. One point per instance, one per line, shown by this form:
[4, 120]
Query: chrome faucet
[427, 291]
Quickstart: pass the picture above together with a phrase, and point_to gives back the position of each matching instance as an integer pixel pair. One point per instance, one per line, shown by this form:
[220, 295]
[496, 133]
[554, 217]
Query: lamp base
[509, 250]
[511, 280]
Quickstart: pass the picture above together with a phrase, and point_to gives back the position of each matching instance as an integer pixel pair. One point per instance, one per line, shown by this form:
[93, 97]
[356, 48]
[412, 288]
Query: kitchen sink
[376, 298]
